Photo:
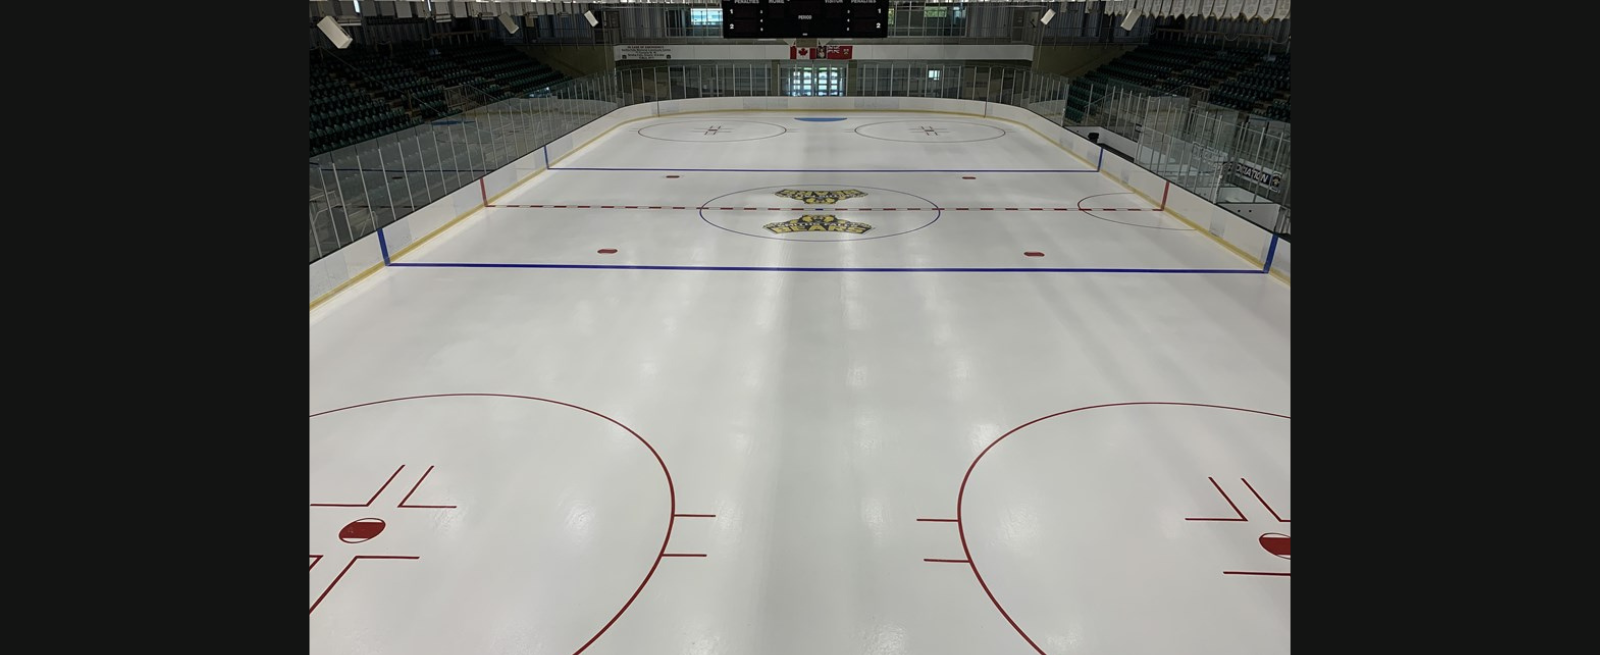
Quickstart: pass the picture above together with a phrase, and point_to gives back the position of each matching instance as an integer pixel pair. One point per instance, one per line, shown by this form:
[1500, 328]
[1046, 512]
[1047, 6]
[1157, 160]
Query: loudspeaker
[336, 34]
[1132, 19]
[510, 23]
[589, 16]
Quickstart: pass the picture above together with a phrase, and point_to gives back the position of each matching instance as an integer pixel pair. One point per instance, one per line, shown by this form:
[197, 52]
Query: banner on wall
[1251, 172]
[675, 54]
[822, 52]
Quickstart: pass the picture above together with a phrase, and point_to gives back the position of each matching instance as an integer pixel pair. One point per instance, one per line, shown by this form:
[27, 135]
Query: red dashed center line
[825, 208]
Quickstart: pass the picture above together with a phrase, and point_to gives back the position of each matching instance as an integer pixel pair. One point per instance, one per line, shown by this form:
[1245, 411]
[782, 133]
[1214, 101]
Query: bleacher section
[364, 92]
[343, 112]
[509, 71]
[1246, 80]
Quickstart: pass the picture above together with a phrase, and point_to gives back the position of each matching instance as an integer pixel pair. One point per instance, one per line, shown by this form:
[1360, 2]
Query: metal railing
[1209, 150]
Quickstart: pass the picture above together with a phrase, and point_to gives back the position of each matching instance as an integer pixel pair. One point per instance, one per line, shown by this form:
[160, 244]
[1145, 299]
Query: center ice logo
[818, 223]
[820, 197]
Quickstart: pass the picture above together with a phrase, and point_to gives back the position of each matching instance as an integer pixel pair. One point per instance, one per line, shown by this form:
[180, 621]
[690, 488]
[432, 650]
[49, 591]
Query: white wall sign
[1262, 176]
[644, 52]
[780, 50]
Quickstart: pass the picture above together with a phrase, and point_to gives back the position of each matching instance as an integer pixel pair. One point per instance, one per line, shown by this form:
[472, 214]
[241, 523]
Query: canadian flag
[822, 52]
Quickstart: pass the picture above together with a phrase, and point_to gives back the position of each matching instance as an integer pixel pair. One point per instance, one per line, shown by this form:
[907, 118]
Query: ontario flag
[822, 52]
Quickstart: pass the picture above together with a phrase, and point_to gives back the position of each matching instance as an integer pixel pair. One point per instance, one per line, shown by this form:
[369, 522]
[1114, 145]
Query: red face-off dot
[1033, 253]
[673, 177]
[607, 251]
[968, 177]
[1277, 544]
[361, 530]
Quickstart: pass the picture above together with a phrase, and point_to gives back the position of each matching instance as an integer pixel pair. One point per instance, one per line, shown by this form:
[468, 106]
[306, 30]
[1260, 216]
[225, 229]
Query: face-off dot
[361, 530]
[607, 251]
[1277, 544]
[1033, 253]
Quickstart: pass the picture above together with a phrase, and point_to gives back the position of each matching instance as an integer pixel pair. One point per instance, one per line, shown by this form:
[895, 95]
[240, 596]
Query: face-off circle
[436, 519]
[930, 131]
[1147, 218]
[1149, 510]
[712, 131]
[820, 213]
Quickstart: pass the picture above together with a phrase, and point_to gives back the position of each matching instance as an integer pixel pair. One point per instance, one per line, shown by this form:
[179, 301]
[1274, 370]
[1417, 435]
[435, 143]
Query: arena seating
[1252, 81]
[364, 92]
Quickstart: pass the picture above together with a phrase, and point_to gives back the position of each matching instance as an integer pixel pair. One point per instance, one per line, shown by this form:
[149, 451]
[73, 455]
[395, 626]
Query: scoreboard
[789, 19]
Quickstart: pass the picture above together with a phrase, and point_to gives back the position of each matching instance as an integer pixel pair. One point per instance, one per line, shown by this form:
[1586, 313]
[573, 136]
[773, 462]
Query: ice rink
[799, 383]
